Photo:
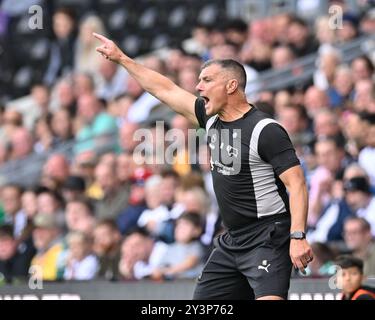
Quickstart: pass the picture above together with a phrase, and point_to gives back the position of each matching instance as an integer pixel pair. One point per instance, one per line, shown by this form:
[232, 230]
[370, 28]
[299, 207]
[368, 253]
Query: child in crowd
[81, 263]
[182, 259]
[350, 278]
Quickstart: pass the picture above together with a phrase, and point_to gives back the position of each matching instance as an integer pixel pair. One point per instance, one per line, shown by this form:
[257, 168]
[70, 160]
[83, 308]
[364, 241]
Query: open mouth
[205, 99]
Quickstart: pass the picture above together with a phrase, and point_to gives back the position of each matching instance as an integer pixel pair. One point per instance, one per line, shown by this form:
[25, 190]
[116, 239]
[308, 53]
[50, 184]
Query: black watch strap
[298, 235]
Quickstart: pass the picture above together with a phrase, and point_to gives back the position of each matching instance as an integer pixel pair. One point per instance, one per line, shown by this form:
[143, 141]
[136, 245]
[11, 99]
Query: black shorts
[249, 263]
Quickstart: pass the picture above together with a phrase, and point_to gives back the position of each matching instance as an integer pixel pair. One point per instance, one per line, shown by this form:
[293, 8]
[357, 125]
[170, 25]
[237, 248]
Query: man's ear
[232, 86]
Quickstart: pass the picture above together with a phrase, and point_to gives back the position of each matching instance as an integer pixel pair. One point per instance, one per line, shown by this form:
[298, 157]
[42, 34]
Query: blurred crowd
[105, 213]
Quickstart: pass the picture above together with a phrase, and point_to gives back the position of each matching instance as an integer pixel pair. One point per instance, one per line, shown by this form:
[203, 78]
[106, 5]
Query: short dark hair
[364, 223]
[232, 65]
[6, 231]
[85, 202]
[194, 218]
[348, 261]
[109, 223]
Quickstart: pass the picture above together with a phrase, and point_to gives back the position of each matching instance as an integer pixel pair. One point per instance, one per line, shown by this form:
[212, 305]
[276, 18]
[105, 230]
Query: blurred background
[76, 201]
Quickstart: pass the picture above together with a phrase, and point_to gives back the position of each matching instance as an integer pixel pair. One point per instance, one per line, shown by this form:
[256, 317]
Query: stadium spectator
[62, 48]
[115, 197]
[48, 262]
[81, 264]
[79, 216]
[98, 126]
[14, 260]
[11, 203]
[139, 253]
[84, 59]
[350, 279]
[360, 199]
[182, 258]
[358, 239]
[106, 247]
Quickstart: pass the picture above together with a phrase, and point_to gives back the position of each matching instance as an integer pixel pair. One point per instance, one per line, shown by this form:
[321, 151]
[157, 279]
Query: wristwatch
[298, 235]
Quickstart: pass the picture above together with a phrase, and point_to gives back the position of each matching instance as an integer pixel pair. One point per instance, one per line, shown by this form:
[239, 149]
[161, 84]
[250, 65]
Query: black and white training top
[247, 156]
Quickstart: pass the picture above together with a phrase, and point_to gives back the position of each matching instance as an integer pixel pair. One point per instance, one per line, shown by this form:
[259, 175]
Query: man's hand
[109, 49]
[300, 254]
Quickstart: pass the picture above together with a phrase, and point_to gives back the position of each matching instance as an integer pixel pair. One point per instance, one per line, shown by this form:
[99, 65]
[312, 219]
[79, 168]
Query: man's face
[349, 279]
[211, 87]
[328, 155]
[7, 248]
[104, 239]
[356, 199]
[43, 237]
[11, 201]
[354, 235]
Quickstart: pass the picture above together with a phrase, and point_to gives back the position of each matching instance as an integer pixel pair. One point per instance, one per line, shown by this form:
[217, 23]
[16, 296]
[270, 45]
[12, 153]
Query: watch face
[298, 235]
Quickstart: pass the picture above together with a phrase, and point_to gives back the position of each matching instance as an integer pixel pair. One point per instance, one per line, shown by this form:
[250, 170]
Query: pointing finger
[100, 37]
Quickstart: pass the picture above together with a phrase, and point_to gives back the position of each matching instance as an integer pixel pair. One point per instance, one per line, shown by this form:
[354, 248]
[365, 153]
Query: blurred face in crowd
[370, 138]
[88, 108]
[355, 235]
[61, 124]
[364, 94]
[47, 203]
[127, 141]
[62, 25]
[326, 124]
[133, 87]
[328, 155]
[12, 118]
[106, 178]
[41, 96]
[43, 237]
[167, 190]
[78, 217]
[56, 167]
[357, 199]
[22, 143]
[281, 57]
[136, 247]
[315, 100]
[186, 231]
[350, 280]
[194, 200]
[187, 79]
[65, 94]
[360, 70]
[297, 34]
[8, 248]
[29, 203]
[79, 246]
[291, 120]
[83, 85]
[323, 32]
[11, 200]
[328, 64]
[108, 159]
[153, 196]
[347, 32]
[343, 82]
[105, 239]
[124, 167]
[107, 69]
[354, 127]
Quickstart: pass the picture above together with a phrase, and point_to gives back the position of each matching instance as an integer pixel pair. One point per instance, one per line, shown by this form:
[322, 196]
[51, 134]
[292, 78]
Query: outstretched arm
[158, 85]
[300, 250]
